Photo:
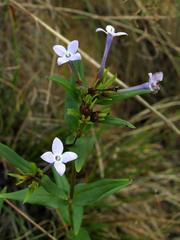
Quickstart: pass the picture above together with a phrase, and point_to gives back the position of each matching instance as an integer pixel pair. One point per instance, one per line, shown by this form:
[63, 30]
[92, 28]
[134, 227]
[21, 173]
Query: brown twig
[24, 215]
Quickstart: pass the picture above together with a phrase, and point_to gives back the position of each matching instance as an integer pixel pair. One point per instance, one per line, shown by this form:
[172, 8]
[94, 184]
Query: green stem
[76, 74]
[72, 186]
[73, 180]
[46, 169]
[112, 89]
[75, 139]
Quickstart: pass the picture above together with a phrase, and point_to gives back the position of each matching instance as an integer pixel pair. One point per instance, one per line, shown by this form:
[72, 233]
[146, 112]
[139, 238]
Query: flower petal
[60, 167]
[158, 76]
[75, 57]
[154, 79]
[101, 30]
[48, 157]
[68, 157]
[150, 75]
[119, 34]
[59, 50]
[73, 46]
[110, 28]
[57, 146]
[62, 60]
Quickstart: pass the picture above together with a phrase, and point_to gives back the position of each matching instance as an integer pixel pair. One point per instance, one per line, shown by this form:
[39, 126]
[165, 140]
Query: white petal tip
[56, 138]
[100, 30]
[75, 156]
[60, 168]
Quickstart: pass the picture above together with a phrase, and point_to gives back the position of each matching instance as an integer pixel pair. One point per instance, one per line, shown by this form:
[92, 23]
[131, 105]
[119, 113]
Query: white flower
[70, 54]
[111, 30]
[57, 157]
[154, 79]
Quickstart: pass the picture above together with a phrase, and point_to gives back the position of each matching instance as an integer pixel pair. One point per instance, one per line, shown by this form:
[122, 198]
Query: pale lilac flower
[57, 157]
[152, 84]
[154, 79]
[110, 31]
[67, 55]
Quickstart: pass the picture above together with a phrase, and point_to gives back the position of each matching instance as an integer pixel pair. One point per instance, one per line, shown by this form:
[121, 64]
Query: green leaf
[119, 96]
[61, 181]
[117, 121]
[77, 218]
[73, 113]
[82, 235]
[106, 81]
[1, 204]
[28, 195]
[65, 83]
[2, 200]
[16, 160]
[87, 194]
[79, 67]
[60, 191]
[72, 122]
[63, 211]
[40, 197]
[53, 189]
[83, 148]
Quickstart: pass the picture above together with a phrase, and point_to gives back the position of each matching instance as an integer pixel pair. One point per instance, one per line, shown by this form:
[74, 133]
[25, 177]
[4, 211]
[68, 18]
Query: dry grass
[31, 109]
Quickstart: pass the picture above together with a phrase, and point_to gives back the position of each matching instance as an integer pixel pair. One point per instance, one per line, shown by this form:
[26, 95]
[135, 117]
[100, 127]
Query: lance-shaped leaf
[71, 121]
[79, 68]
[120, 96]
[82, 148]
[2, 200]
[77, 218]
[87, 194]
[117, 121]
[40, 197]
[65, 83]
[53, 189]
[82, 235]
[61, 181]
[16, 160]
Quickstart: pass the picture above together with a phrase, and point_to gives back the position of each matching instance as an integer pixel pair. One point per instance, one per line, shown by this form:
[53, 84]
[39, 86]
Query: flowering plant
[86, 107]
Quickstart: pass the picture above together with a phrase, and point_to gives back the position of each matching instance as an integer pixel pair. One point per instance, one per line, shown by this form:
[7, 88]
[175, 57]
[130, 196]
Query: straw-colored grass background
[31, 110]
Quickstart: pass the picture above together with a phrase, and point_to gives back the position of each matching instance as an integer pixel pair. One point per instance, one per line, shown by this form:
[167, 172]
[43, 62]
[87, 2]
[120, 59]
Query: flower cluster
[71, 55]
[57, 157]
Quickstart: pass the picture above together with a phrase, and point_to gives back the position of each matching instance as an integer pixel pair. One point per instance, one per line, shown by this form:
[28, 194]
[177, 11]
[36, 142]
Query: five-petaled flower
[110, 31]
[68, 55]
[57, 157]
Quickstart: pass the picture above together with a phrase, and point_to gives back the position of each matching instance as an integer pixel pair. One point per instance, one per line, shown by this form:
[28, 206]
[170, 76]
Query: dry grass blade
[101, 17]
[30, 220]
[99, 154]
[169, 123]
